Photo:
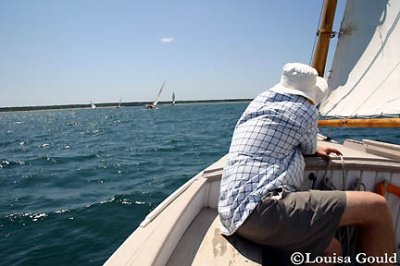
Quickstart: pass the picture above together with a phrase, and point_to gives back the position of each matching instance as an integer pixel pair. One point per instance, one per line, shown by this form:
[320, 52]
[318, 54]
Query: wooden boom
[361, 122]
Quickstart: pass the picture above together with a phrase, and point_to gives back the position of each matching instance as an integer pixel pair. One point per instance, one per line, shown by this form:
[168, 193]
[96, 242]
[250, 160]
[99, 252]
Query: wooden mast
[325, 33]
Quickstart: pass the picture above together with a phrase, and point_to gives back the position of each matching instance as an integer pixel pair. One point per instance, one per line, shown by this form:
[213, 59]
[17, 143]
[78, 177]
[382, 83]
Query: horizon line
[108, 104]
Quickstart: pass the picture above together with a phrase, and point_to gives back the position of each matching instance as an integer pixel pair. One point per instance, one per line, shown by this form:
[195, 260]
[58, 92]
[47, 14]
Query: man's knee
[363, 207]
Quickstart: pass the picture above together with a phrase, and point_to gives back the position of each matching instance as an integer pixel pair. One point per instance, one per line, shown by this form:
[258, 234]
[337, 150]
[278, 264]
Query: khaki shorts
[296, 221]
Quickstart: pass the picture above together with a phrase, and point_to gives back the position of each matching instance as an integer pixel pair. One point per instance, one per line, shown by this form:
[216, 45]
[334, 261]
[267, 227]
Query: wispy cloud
[167, 39]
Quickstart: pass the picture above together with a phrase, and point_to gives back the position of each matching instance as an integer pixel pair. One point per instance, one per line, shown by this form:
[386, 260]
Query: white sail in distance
[365, 75]
[159, 94]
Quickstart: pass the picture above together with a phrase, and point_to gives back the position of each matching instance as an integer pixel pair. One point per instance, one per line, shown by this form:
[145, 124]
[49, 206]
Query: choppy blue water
[74, 184]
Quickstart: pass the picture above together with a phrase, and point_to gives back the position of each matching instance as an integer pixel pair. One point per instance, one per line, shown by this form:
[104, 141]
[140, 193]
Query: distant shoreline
[105, 105]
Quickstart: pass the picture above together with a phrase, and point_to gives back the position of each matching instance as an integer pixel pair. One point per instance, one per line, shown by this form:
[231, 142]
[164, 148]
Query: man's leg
[334, 248]
[371, 214]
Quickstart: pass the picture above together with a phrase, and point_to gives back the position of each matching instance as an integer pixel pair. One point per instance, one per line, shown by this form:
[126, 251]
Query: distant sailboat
[119, 104]
[173, 98]
[154, 104]
[92, 105]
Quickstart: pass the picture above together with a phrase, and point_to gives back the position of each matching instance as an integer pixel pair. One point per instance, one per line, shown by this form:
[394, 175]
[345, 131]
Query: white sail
[159, 94]
[173, 98]
[365, 75]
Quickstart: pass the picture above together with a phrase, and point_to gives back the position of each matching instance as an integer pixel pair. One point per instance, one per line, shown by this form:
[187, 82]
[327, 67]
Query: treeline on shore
[109, 105]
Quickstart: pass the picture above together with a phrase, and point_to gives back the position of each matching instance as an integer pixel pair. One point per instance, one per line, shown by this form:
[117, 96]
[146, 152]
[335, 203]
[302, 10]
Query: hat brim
[322, 90]
[279, 88]
[316, 94]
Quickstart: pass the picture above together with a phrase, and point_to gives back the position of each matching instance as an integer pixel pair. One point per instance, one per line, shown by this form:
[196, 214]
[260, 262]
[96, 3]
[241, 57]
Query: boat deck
[202, 244]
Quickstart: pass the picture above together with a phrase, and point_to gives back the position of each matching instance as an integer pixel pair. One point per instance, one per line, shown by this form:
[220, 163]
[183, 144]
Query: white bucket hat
[301, 79]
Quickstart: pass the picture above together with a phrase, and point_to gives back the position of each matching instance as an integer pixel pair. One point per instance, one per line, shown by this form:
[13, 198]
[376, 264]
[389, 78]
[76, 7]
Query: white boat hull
[161, 239]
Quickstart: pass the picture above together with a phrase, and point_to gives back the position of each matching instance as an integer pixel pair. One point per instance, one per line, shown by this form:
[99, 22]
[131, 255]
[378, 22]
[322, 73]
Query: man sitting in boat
[260, 198]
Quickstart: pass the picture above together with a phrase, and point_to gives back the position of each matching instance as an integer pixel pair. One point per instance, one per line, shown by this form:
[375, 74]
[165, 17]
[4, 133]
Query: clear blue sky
[77, 51]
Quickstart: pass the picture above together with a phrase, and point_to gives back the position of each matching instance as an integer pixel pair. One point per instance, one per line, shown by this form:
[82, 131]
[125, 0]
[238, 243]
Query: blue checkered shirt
[266, 153]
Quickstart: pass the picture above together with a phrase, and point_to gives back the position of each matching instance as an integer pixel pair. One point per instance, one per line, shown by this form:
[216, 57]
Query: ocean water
[74, 184]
